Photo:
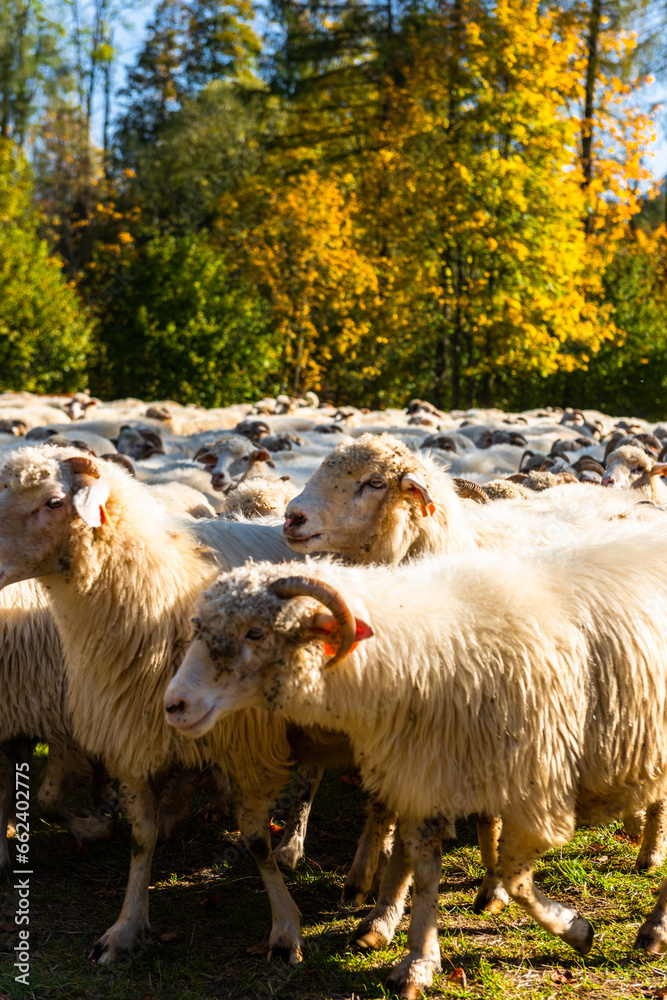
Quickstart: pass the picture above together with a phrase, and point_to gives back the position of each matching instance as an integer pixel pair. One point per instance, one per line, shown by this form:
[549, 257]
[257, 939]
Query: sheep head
[43, 493]
[629, 466]
[260, 636]
[231, 459]
[366, 500]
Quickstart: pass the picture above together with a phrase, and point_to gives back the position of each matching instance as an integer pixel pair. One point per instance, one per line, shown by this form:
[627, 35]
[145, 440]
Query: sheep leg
[518, 851]
[290, 850]
[423, 847]
[285, 938]
[64, 764]
[379, 827]
[654, 839]
[491, 894]
[652, 935]
[127, 935]
[633, 825]
[176, 798]
[379, 926]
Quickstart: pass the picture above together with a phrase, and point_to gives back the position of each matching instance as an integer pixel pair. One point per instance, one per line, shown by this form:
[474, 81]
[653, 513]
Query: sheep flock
[468, 607]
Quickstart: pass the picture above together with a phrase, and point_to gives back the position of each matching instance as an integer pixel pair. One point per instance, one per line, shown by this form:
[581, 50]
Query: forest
[371, 199]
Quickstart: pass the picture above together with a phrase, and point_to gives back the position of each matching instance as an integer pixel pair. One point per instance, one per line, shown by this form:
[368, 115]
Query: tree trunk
[589, 104]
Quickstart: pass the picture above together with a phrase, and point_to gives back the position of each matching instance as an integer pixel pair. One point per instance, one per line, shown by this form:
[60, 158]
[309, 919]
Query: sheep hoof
[491, 896]
[288, 855]
[282, 949]
[648, 861]
[579, 935]
[123, 940]
[413, 975]
[353, 896]
[651, 938]
[370, 941]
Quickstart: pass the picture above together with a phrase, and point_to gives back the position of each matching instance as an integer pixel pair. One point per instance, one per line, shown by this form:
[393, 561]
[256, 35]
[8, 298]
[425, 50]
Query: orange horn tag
[327, 626]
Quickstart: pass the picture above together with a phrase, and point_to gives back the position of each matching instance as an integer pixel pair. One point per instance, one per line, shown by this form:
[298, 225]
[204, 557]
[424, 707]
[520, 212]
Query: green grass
[208, 893]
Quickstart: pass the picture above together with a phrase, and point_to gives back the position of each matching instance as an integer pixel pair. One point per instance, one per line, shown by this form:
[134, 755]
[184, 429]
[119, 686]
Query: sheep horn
[588, 464]
[468, 490]
[662, 454]
[303, 586]
[83, 465]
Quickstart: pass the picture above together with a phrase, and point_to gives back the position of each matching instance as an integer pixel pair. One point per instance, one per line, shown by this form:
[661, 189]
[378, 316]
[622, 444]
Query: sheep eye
[638, 468]
[376, 482]
[55, 502]
[254, 634]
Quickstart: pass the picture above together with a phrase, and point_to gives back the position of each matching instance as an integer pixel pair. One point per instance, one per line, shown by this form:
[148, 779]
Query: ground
[210, 920]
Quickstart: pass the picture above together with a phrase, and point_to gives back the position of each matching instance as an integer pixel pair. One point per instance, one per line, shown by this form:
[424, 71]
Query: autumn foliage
[373, 202]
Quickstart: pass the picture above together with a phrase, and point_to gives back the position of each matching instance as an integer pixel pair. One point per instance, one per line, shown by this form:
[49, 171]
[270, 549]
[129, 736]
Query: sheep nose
[178, 706]
[608, 480]
[219, 480]
[294, 520]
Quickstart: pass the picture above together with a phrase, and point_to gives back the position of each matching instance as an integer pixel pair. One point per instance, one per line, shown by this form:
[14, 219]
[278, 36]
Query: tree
[32, 66]
[297, 243]
[44, 334]
[173, 323]
[190, 44]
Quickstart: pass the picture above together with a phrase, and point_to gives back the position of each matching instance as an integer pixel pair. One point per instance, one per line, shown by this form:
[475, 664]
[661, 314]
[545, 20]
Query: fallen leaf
[274, 828]
[349, 779]
[210, 901]
[458, 978]
[169, 936]
[563, 977]
[258, 949]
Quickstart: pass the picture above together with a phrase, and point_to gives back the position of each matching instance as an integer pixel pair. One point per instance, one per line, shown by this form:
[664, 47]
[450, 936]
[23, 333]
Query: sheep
[375, 501]
[258, 497]
[370, 503]
[532, 688]
[138, 442]
[79, 404]
[232, 459]
[32, 680]
[631, 467]
[122, 577]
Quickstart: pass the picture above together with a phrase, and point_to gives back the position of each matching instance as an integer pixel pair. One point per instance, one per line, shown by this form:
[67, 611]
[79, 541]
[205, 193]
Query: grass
[210, 920]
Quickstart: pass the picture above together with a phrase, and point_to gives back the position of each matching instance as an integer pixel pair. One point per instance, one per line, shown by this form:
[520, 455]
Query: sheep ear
[261, 455]
[412, 482]
[206, 457]
[326, 627]
[89, 503]
[659, 470]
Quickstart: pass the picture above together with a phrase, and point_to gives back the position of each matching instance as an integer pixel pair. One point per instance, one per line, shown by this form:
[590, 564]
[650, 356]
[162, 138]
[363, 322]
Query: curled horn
[83, 465]
[303, 586]
[468, 490]
[588, 464]
[662, 454]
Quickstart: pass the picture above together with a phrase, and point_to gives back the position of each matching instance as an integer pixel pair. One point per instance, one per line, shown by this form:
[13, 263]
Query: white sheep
[33, 685]
[374, 501]
[232, 459]
[532, 688]
[122, 578]
[630, 467]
